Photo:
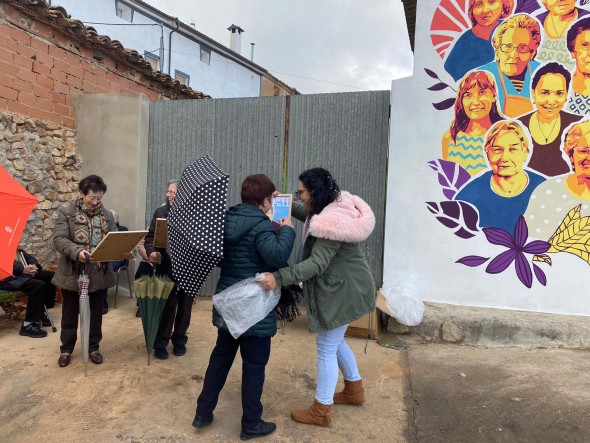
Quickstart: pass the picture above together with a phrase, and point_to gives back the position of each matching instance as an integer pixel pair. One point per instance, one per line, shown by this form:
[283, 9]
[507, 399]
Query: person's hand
[30, 270]
[126, 255]
[154, 257]
[269, 281]
[286, 222]
[82, 256]
[275, 194]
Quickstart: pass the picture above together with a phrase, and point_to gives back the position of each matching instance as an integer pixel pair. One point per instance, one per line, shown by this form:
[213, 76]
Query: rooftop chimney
[235, 41]
[252, 51]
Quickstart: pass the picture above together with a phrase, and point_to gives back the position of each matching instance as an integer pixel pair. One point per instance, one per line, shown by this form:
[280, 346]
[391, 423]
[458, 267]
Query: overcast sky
[345, 45]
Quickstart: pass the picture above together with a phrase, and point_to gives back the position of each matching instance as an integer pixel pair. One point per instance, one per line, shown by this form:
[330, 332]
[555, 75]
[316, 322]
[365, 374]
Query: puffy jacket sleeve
[322, 253]
[298, 211]
[61, 237]
[275, 249]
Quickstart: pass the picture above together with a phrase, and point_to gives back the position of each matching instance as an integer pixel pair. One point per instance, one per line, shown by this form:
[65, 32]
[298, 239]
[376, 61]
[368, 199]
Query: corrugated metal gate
[346, 133]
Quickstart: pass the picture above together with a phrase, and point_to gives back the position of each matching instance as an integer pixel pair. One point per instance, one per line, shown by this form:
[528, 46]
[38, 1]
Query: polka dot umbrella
[195, 223]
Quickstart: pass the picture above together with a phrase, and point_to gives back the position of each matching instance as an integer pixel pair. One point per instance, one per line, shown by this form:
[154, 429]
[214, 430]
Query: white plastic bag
[405, 302]
[244, 304]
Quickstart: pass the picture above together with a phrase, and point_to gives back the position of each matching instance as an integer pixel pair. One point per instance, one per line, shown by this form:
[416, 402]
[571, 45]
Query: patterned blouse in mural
[555, 50]
[547, 158]
[550, 202]
[578, 103]
[468, 152]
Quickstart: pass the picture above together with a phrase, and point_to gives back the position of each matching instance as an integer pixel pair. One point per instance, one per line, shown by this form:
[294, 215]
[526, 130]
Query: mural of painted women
[473, 48]
[550, 87]
[502, 194]
[552, 200]
[476, 109]
[556, 19]
[515, 42]
[578, 43]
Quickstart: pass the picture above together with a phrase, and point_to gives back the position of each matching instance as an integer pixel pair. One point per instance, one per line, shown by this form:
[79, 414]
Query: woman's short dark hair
[92, 183]
[551, 68]
[255, 188]
[322, 188]
[576, 29]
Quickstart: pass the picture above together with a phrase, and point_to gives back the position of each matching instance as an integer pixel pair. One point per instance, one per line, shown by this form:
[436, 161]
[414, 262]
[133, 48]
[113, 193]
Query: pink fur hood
[348, 219]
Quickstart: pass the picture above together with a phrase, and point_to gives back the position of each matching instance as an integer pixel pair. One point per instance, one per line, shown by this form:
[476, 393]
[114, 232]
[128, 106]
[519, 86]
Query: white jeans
[333, 354]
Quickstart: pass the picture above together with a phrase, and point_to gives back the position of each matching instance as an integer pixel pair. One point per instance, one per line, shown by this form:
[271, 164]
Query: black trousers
[255, 352]
[49, 288]
[69, 319]
[177, 316]
[35, 290]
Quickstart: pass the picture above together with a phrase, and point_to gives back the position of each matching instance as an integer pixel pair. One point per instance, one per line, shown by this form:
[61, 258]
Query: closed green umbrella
[152, 293]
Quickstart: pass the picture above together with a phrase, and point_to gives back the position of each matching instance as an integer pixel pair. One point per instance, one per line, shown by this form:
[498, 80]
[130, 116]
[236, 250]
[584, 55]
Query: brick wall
[42, 70]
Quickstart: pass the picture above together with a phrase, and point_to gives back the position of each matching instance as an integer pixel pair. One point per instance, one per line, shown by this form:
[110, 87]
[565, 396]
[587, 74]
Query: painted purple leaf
[438, 87]
[521, 231]
[536, 247]
[445, 104]
[459, 216]
[499, 236]
[451, 176]
[523, 270]
[472, 260]
[541, 277]
[501, 262]
[431, 73]
[527, 6]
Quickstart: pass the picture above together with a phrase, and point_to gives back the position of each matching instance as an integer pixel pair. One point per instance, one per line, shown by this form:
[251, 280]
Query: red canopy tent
[16, 204]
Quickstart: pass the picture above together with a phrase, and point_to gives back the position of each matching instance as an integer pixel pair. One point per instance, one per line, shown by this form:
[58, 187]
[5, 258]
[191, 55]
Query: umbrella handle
[158, 261]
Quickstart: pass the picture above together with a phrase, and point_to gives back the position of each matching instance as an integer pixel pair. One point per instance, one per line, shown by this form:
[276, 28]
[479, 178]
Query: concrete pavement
[423, 393]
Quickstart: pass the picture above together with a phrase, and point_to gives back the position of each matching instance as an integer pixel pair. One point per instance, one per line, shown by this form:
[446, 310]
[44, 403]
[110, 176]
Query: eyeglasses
[523, 48]
[582, 152]
[299, 192]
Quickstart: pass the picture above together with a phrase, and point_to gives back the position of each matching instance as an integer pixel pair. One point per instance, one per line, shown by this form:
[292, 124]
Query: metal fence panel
[345, 133]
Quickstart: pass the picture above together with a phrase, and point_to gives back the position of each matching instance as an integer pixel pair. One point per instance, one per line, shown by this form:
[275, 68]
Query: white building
[178, 49]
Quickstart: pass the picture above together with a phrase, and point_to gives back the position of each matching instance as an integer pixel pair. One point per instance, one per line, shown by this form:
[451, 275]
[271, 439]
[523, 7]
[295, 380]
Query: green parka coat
[338, 287]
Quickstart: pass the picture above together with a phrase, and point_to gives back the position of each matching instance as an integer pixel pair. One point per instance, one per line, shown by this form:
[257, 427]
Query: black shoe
[32, 331]
[179, 350]
[105, 308]
[161, 353]
[64, 359]
[263, 429]
[45, 321]
[138, 313]
[200, 421]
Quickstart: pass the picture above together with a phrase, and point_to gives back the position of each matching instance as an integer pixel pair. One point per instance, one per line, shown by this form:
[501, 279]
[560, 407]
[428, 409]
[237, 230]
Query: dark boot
[262, 429]
[352, 394]
[317, 414]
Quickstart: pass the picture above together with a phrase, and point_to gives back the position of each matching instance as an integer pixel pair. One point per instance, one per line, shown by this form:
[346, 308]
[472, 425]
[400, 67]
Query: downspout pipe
[170, 44]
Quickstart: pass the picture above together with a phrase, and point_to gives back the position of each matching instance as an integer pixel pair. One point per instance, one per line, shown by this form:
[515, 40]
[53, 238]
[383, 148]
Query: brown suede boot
[317, 414]
[352, 394]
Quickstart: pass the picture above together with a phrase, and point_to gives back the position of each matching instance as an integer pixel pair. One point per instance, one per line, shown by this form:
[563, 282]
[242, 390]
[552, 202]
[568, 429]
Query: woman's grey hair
[172, 182]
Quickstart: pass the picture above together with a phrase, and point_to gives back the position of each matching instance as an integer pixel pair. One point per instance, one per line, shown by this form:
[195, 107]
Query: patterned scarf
[90, 226]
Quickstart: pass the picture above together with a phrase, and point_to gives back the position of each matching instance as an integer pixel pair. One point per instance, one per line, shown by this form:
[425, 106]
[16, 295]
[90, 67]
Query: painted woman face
[550, 95]
[507, 155]
[580, 157]
[477, 102]
[582, 52]
[487, 12]
[514, 53]
[559, 7]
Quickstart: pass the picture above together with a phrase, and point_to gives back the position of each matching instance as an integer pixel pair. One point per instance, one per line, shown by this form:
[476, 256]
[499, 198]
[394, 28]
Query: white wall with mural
[488, 198]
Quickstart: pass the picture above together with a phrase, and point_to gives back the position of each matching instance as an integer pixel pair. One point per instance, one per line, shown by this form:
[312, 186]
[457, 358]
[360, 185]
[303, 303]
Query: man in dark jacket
[23, 280]
[250, 245]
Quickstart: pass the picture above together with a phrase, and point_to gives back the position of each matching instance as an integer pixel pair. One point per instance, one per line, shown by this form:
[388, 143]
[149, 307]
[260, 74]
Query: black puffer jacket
[251, 244]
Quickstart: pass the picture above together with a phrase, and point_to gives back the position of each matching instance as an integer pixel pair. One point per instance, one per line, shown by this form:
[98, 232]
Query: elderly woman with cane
[338, 286]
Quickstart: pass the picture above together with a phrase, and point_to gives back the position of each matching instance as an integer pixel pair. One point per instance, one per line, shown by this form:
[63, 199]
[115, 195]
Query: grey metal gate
[346, 133]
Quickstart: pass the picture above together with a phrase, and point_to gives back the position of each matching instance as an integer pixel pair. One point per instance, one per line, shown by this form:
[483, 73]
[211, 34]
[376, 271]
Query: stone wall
[43, 157]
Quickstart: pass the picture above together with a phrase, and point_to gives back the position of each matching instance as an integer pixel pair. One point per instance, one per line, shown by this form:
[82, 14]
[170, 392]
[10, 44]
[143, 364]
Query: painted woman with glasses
[515, 43]
[553, 199]
[338, 286]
